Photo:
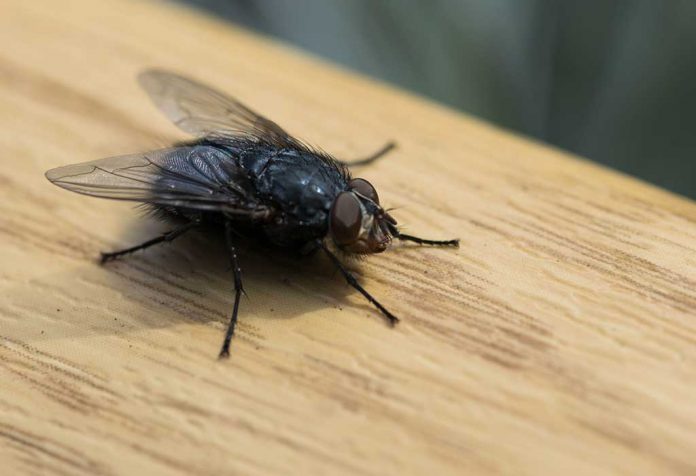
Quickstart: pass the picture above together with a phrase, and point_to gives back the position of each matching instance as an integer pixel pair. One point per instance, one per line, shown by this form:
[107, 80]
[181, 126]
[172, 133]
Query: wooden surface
[560, 338]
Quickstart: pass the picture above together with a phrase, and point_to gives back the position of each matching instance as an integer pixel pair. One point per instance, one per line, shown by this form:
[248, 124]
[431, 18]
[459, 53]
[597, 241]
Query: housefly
[243, 172]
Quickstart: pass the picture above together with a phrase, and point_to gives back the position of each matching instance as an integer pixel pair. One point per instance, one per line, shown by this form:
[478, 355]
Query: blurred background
[614, 81]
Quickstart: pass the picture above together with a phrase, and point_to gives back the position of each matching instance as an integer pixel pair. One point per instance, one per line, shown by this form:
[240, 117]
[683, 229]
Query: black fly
[243, 171]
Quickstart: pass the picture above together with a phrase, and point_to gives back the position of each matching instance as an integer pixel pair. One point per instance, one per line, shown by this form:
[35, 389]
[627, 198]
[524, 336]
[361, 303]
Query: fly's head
[357, 222]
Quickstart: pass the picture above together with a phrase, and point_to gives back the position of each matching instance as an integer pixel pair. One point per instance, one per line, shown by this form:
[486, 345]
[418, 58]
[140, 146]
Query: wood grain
[560, 338]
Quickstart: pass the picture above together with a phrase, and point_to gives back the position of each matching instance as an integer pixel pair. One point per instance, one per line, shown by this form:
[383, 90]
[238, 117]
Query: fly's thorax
[302, 188]
[357, 223]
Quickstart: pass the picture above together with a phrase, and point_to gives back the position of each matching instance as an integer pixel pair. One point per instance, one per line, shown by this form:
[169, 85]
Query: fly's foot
[392, 320]
[224, 353]
[106, 257]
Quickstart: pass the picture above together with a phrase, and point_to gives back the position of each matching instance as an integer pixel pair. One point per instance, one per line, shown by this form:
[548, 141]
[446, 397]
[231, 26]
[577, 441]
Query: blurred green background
[612, 80]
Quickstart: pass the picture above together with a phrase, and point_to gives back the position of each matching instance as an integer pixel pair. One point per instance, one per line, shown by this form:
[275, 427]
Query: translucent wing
[196, 177]
[202, 111]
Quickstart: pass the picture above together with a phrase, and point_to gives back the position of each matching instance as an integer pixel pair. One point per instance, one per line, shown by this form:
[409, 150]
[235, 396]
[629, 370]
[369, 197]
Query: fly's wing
[196, 177]
[205, 112]
[202, 111]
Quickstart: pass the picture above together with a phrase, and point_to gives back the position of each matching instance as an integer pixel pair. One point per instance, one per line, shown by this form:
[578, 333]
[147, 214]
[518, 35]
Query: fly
[243, 172]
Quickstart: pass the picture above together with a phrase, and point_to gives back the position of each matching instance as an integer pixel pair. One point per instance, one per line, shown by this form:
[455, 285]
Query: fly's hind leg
[238, 290]
[367, 160]
[354, 283]
[164, 237]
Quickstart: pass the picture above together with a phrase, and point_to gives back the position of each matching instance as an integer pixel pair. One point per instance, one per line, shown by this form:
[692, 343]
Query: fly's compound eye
[364, 188]
[346, 219]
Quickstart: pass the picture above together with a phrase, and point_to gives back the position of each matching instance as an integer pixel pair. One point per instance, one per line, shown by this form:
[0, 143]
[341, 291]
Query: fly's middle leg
[164, 237]
[238, 290]
[350, 279]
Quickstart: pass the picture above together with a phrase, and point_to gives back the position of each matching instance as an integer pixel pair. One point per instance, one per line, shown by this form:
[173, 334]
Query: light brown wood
[560, 338]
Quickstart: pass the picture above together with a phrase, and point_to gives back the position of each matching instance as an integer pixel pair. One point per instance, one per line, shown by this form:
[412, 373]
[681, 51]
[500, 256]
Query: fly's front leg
[169, 236]
[421, 241]
[354, 283]
[367, 160]
[238, 290]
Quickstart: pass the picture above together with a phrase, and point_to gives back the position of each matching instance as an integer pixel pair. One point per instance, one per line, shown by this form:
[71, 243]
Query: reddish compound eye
[346, 219]
[364, 188]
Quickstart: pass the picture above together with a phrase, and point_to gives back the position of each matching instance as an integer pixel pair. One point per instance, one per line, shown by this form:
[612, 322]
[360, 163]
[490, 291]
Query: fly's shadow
[192, 276]
[184, 282]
